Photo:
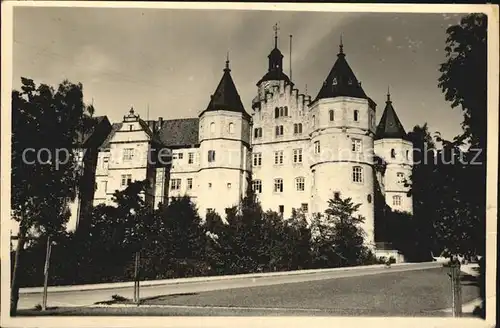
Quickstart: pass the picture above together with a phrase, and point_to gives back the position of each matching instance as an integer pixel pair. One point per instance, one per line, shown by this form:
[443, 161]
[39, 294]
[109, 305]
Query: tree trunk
[14, 291]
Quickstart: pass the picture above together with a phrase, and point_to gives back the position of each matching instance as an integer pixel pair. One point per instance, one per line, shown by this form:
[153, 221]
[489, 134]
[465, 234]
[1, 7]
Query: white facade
[398, 156]
[299, 153]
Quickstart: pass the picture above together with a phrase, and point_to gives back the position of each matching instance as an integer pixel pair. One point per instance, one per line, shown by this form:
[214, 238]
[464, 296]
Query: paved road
[90, 297]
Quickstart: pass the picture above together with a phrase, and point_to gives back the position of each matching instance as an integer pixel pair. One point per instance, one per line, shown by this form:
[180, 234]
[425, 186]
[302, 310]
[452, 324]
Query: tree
[337, 238]
[45, 122]
[299, 245]
[464, 84]
[425, 189]
[463, 80]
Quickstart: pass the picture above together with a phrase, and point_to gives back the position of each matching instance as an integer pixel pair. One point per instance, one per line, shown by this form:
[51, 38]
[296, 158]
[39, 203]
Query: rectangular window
[105, 161]
[190, 158]
[128, 154]
[317, 148]
[257, 133]
[356, 145]
[400, 177]
[300, 183]
[257, 186]
[396, 200]
[279, 130]
[297, 155]
[304, 207]
[175, 184]
[190, 183]
[278, 185]
[282, 209]
[257, 159]
[278, 157]
[297, 128]
[211, 156]
[181, 155]
[126, 179]
[357, 174]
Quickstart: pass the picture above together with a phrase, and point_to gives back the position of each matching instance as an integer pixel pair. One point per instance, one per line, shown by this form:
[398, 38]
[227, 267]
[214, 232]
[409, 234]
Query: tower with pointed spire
[342, 128]
[224, 151]
[392, 145]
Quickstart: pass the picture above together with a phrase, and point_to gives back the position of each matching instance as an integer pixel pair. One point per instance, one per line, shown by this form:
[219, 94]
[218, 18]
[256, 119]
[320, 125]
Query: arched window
[212, 127]
[276, 112]
[393, 153]
[299, 127]
[231, 128]
[314, 121]
[281, 111]
[331, 115]
[356, 115]
[407, 154]
[357, 174]
[286, 110]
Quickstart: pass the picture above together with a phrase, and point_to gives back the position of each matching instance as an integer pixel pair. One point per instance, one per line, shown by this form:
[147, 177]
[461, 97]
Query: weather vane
[276, 29]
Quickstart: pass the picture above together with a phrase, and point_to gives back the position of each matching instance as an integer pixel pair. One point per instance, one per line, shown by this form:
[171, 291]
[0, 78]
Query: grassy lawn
[411, 293]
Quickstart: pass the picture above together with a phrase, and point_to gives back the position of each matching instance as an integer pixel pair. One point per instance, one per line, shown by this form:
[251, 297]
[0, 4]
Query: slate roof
[84, 137]
[341, 81]
[226, 96]
[173, 133]
[390, 126]
[180, 132]
[275, 70]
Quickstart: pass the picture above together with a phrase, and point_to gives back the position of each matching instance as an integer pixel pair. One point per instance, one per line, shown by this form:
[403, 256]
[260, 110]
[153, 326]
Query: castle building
[299, 152]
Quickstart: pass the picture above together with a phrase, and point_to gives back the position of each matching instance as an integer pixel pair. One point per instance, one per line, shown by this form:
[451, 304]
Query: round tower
[224, 135]
[342, 119]
[392, 145]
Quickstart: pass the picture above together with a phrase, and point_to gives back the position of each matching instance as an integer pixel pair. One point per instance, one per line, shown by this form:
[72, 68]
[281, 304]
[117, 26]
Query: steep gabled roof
[341, 81]
[226, 96]
[390, 126]
[115, 127]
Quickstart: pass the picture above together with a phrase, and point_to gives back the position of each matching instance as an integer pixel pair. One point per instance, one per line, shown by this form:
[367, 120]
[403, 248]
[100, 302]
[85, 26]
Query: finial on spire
[227, 61]
[341, 45]
[131, 110]
[388, 94]
[276, 29]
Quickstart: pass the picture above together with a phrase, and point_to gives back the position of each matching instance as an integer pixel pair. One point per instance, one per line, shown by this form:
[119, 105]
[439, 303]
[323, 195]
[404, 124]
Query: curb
[53, 289]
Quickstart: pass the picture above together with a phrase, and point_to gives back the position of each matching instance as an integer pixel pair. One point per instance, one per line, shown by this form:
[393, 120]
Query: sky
[171, 60]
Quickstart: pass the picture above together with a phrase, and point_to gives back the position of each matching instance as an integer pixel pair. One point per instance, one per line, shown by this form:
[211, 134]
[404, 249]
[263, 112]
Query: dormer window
[334, 82]
[349, 82]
